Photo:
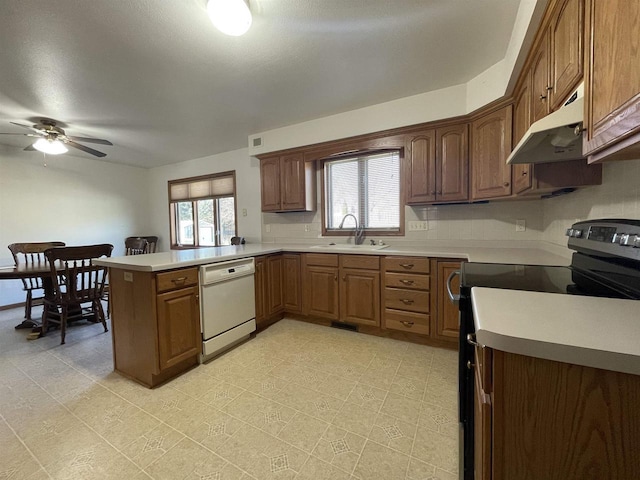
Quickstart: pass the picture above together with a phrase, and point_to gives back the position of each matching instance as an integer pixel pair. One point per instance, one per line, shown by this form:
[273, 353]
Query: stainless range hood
[554, 138]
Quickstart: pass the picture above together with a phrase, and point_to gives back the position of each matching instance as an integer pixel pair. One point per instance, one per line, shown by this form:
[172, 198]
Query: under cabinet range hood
[554, 138]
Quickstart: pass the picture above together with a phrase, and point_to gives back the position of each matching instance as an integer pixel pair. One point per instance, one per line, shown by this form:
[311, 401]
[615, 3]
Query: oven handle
[455, 299]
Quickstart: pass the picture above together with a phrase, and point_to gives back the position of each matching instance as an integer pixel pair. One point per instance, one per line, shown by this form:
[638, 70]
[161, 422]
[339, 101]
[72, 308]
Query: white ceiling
[159, 81]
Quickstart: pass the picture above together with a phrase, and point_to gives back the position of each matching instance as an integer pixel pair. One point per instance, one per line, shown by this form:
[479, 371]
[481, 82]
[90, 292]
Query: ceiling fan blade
[25, 134]
[29, 148]
[84, 148]
[90, 140]
[33, 129]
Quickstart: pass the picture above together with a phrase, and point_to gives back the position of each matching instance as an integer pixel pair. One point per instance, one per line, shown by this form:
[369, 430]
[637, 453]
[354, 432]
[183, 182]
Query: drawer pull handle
[406, 301]
[407, 323]
[470, 365]
[406, 265]
[471, 340]
[407, 282]
[179, 280]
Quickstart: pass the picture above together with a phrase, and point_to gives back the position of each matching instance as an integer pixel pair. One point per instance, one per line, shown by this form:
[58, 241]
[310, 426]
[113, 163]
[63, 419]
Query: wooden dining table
[36, 270]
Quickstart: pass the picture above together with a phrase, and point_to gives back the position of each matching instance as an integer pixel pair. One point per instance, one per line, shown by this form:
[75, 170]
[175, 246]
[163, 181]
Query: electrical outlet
[244, 212]
[267, 228]
[306, 227]
[415, 226]
[521, 226]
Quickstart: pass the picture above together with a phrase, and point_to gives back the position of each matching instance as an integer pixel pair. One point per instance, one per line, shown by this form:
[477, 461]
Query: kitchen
[122, 186]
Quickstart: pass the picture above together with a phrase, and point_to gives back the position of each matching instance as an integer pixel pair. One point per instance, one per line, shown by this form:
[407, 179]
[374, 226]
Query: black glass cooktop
[537, 278]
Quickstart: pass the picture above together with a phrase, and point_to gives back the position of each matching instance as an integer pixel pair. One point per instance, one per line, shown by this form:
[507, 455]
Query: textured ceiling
[159, 81]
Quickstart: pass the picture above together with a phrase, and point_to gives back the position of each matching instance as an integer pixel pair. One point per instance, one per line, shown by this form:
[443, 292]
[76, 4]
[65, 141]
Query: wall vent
[257, 142]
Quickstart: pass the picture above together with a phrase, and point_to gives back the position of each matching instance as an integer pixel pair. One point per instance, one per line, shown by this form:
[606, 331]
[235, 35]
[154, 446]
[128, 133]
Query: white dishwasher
[227, 305]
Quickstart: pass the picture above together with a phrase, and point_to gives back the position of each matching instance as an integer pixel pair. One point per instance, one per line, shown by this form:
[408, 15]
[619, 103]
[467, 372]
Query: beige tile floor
[299, 401]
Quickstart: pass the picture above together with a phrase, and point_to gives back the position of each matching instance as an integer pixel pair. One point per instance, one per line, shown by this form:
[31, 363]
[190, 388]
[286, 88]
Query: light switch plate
[415, 226]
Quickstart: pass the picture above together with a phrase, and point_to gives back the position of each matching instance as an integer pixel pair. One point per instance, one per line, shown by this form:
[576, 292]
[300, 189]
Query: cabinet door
[260, 288]
[612, 86]
[360, 296]
[179, 335]
[491, 145]
[422, 168]
[452, 164]
[447, 313]
[292, 286]
[275, 302]
[270, 184]
[521, 122]
[321, 292]
[481, 433]
[540, 80]
[292, 182]
[567, 51]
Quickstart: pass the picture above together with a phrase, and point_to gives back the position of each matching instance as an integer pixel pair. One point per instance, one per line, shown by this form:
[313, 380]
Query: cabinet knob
[344, 279]
[470, 365]
[439, 193]
[549, 88]
[542, 97]
[407, 323]
[335, 277]
[505, 184]
[525, 173]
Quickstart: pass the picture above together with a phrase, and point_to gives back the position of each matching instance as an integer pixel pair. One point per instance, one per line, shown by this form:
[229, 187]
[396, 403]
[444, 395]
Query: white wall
[617, 197]
[74, 200]
[247, 190]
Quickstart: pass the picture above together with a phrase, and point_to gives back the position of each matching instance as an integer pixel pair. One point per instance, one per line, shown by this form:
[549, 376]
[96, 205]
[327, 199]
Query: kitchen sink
[345, 246]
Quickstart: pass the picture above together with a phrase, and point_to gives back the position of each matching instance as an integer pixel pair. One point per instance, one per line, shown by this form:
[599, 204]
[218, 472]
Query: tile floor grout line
[15, 434]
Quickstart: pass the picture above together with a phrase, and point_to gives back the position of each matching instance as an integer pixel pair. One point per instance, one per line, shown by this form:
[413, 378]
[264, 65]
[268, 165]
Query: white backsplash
[617, 197]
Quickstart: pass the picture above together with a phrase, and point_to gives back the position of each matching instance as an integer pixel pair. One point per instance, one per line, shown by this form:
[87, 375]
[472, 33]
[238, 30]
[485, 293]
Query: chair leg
[45, 320]
[27, 305]
[99, 312]
[63, 323]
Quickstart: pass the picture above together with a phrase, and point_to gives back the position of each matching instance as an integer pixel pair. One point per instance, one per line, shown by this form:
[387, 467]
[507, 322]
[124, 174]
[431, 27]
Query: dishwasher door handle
[455, 299]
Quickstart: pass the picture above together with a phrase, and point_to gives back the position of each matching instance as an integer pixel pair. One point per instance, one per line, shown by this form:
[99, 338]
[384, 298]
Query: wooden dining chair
[152, 242]
[135, 246]
[31, 253]
[77, 281]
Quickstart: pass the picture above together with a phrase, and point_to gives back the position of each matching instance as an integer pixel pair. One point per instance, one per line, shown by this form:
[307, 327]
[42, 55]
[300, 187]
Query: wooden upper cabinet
[521, 122]
[422, 168]
[452, 163]
[439, 166]
[612, 84]
[567, 50]
[490, 147]
[541, 85]
[288, 184]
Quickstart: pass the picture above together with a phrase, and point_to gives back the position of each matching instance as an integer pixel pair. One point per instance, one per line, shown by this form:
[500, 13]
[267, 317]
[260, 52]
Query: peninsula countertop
[526, 252]
[591, 331]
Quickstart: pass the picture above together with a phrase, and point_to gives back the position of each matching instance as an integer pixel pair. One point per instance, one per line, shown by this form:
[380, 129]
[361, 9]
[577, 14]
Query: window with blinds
[366, 186]
[203, 210]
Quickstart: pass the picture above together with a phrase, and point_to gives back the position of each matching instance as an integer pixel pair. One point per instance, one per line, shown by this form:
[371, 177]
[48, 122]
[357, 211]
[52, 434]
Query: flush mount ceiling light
[50, 145]
[231, 17]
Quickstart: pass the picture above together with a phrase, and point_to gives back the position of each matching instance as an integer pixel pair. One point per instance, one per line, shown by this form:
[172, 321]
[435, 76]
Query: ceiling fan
[53, 140]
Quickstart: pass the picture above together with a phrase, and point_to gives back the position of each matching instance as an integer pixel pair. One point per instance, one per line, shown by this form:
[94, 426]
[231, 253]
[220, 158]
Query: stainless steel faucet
[358, 232]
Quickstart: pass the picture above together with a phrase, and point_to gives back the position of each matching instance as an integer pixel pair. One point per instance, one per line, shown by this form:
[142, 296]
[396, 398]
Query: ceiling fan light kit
[231, 17]
[50, 146]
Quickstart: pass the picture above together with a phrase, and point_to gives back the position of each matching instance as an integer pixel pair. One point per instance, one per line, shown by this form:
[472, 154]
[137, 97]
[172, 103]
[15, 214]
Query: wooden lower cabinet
[260, 290]
[275, 301]
[321, 292]
[291, 285]
[554, 420]
[155, 323]
[269, 288]
[447, 317]
[360, 296]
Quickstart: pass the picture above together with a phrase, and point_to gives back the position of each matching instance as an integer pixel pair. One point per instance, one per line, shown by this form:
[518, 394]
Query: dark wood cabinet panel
[178, 326]
[321, 292]
[447, 313]
[292, 286]
[292, 182]
[275, 303]
[422, 168]
[260, 290]
[452, 164]
[490, 147]
[612, 83]
[522, 174]
[360, 296]
[270, 182]
[567, 50]
[540, 82]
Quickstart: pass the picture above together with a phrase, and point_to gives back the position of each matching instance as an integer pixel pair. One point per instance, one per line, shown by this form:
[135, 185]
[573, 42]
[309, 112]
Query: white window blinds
[198, 188]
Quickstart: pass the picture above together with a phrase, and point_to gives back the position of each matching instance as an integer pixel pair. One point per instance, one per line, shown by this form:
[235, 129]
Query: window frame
[346, 232]
[173, 235]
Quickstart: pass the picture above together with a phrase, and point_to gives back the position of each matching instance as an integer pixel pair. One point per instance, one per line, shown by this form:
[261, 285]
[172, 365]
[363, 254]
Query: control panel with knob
[607, 236]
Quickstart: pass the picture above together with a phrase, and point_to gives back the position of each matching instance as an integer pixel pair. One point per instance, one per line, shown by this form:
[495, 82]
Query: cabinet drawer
[406, 264]
[322, 259]
[365, 262]
[407, 321]
[407, 280]
[408, 300]
[176, 279]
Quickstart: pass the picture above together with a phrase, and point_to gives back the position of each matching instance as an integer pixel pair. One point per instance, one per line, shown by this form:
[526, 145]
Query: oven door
[465, 384]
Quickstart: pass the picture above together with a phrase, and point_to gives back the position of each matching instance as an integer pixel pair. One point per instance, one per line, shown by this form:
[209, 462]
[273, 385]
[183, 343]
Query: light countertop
[528, 253]
[590, 331]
